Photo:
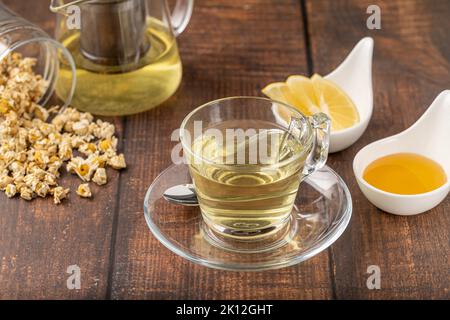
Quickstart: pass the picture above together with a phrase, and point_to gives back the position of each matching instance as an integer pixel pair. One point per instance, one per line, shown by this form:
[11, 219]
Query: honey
[405, 173]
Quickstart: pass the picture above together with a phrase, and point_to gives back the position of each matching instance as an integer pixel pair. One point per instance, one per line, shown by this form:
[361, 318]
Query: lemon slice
[315, 95]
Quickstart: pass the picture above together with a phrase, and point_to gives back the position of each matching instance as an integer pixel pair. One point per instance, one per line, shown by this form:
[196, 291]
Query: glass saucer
[321, 213]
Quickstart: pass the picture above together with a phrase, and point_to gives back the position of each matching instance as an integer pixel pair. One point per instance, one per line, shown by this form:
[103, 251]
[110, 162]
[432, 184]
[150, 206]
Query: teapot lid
[58, 5]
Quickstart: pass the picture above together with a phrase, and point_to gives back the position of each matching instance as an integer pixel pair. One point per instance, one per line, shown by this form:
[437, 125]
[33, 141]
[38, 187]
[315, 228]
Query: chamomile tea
[249, 199]
[115, 90]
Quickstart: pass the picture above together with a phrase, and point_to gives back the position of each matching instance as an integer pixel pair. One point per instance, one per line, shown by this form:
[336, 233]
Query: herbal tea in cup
[247, 164]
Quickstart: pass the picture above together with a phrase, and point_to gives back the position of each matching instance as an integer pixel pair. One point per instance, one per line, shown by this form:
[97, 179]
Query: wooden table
[236, 48]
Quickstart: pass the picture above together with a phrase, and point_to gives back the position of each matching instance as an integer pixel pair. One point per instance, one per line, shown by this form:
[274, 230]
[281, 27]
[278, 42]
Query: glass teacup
[247, 157]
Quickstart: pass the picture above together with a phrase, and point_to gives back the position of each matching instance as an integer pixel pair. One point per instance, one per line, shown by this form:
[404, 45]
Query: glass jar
[21, 36]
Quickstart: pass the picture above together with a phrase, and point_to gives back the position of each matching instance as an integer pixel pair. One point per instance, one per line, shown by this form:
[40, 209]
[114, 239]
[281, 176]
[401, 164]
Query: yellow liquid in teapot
[405, 173]
[111, 90]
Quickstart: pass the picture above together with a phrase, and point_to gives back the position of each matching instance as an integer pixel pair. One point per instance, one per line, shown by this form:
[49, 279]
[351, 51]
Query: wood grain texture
[236, 48]
[411, 67]
[39, 241]
[230, 48]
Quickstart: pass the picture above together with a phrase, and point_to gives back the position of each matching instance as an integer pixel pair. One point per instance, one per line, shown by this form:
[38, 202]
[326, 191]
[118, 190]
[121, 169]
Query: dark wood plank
[234, 48]
[411, 66]
[230, 48]
[39, 240]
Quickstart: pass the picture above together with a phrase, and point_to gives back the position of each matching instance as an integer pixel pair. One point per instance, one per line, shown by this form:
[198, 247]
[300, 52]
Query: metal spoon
[183, 194]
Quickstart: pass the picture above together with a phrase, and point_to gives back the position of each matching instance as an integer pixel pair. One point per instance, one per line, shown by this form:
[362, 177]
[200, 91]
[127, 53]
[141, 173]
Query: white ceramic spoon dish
[354, 76]
[430, 137]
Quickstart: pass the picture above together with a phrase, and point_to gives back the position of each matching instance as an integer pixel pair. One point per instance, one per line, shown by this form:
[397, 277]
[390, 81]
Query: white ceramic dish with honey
[429, 137]
[354, 76]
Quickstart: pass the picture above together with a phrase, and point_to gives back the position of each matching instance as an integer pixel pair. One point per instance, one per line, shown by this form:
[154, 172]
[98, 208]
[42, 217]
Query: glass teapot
[125, 52]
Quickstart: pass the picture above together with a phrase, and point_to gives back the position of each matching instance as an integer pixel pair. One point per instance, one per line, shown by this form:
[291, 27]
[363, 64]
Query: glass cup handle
[181, 15]
[321, 125]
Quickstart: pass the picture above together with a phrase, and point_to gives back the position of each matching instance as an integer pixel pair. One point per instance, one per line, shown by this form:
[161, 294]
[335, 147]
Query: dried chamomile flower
[84, 190]
[83, 168]
[42, 189]
[87, 148]
[117, 162]
[46, 128]
[34, 135]
[41, 113]
[68, 126]
[53, 169]
[31, 181]
[59, 193]
[72, 114]
[78, 141]
[84, 171]
[26, 193]
[33, 149]
[21, 156]
[20, 183]
[10, 190]
[98, 160]
[81, 127]
[41, 157]
[86, 116]
[16, 166]
[100, 177]
[4, 106]
[59, 121]
[4, 181]
[50, 178]
[65, 150]
[105, 145]
[73, 164]
[55, 137]
[104, 130]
